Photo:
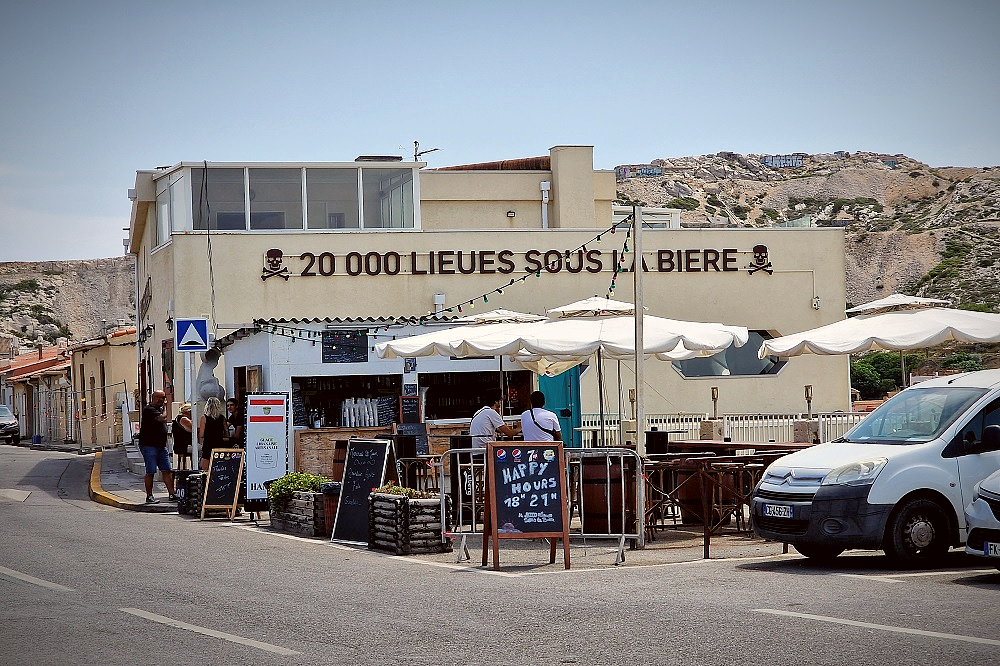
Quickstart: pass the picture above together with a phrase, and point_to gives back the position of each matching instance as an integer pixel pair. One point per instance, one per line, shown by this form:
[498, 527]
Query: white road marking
[35, 581]
[267, 647]
[891, 578]
[882, 627]
[14, 495]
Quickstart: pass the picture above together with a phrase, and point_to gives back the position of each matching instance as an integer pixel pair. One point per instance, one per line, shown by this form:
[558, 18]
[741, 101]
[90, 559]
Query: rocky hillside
[63, 299]
[910, 228]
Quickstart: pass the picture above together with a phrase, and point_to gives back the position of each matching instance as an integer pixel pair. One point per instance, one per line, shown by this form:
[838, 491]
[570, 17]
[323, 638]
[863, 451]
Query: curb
[100, 495]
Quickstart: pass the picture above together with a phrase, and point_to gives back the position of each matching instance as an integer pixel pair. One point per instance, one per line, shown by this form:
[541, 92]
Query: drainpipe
[545, 186]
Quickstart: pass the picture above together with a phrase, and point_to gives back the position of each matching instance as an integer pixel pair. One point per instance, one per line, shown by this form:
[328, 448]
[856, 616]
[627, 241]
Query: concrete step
[136, 464]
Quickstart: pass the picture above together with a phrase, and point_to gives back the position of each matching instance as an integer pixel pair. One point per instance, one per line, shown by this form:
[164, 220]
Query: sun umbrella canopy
[500, 316]
[578, 338]
[595, 306]
[897, 330]
[898, 302]
[571, 339]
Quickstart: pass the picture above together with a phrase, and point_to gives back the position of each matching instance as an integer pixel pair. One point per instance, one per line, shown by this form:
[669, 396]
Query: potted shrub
[296, 504]
[405, 521]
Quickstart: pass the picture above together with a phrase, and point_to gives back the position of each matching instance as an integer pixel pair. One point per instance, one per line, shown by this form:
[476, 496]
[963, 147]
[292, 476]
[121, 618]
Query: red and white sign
[267, 441]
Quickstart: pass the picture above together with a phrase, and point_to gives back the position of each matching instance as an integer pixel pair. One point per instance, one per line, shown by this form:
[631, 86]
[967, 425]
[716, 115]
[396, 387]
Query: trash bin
[180, 488]
[36, 439]
[331, 497]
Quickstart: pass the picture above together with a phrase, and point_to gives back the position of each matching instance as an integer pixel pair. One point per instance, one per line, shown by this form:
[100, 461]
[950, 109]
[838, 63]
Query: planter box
[406, 526]
[304, 516]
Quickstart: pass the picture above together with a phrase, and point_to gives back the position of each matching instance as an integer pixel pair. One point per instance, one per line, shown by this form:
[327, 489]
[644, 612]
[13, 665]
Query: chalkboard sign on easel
[409, 409]
[526, 496]
[364, 469]
[222, 488]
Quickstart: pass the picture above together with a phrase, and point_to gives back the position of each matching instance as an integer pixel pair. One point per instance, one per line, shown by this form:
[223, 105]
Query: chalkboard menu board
[418, 430]
[387, 410]
[409, 409]
[225, 474]
[345, 346]
[526, 494]
[364, 469]
[299, 416]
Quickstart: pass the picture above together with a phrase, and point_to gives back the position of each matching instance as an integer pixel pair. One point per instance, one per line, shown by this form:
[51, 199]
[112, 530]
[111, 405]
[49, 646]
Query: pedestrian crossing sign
[191, 335]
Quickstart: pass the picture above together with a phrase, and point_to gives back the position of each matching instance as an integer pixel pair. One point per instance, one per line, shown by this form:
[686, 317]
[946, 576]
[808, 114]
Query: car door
[975, 464]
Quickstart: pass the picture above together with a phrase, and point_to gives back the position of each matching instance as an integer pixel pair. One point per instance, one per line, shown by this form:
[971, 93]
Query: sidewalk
[117, 480]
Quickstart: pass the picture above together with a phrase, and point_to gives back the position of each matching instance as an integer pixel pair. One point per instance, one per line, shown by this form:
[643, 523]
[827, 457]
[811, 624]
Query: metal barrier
[606, 495]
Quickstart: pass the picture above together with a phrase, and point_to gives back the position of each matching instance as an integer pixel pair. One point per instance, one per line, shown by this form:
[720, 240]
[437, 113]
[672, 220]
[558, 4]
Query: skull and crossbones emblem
[760, 261]
[272, 265]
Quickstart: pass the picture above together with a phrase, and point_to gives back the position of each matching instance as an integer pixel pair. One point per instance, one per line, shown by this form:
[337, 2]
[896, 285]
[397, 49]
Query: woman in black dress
[181, 432]
[212, 430]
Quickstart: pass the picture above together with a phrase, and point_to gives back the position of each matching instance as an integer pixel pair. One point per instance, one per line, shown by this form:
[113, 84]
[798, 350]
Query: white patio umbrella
[572, 336]
[894, 330]
[898, 302]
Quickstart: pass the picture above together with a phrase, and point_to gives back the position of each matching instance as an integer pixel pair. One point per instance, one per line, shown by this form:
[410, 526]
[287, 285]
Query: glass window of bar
[275, 199]
[219, 200]
[332, 198]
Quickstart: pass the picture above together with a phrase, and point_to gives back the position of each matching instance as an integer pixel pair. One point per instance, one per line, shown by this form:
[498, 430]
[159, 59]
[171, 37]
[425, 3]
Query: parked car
[983, 518]
[10, 430]
[898, 481]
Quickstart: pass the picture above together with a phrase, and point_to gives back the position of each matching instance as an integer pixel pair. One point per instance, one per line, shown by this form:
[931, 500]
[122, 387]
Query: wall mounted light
[170, 323]
[511, 213]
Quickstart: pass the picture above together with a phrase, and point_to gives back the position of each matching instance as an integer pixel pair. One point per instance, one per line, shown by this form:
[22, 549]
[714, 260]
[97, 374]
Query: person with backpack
[539, 424]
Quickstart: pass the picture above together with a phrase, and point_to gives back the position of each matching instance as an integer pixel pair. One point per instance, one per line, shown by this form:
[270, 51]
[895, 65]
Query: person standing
[235, 422]
[212, 430]
[487, 422]
[539, 424]
[153, 446]
[181, 432]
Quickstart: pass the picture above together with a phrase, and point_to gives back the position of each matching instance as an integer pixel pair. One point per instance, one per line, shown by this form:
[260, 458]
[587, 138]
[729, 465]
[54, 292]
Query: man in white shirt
[487, 422]
[540, 425]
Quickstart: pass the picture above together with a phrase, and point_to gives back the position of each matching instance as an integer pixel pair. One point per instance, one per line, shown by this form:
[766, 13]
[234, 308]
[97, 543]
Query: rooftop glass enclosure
[283, 198]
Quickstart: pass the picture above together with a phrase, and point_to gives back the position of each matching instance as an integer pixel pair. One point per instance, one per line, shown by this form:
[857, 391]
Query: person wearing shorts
[153, 446]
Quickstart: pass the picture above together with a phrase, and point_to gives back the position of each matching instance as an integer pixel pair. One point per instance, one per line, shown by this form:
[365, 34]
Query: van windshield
[914, 416]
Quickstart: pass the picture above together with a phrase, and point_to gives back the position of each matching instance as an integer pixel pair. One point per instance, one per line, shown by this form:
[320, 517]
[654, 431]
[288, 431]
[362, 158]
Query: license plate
[777, 511]
[991, 549]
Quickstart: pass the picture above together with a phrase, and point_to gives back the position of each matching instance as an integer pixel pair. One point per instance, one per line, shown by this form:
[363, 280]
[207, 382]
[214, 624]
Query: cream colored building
[103, 374]
[361, 244]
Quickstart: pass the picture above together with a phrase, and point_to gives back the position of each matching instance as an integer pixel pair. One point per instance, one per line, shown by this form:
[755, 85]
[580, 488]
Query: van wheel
[817, 552]
[918, 533]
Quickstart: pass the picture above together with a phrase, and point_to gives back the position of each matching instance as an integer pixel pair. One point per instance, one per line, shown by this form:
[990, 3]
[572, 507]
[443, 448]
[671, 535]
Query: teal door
[562, 396]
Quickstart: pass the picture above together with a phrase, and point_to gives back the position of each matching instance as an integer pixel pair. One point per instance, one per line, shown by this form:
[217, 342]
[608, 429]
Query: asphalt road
[82, 583]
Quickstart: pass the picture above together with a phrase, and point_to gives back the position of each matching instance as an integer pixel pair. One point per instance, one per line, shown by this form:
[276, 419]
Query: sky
[91, 92]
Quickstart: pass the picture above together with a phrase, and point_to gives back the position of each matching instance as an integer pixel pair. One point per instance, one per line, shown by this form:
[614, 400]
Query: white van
[897, 481]
[983, 518]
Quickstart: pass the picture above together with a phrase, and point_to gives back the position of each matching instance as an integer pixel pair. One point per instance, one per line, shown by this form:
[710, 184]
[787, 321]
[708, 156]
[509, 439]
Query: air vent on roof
[378, 158]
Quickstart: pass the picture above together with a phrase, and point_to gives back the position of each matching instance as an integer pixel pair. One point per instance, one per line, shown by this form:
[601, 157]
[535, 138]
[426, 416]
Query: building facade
[370, 245]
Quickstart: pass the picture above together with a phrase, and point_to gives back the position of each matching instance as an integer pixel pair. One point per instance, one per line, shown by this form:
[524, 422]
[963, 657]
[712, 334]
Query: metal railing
[834, 424]
[606, 495]
[760, 427]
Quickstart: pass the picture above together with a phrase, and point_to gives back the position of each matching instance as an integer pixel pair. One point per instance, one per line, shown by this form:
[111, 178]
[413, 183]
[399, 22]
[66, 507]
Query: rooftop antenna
[417, 152]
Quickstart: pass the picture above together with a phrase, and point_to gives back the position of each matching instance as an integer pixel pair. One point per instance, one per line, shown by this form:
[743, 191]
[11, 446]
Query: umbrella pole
[600, 392]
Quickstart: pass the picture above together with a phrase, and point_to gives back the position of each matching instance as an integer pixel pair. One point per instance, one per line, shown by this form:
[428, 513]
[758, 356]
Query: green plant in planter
[280, 490]
[393, 488]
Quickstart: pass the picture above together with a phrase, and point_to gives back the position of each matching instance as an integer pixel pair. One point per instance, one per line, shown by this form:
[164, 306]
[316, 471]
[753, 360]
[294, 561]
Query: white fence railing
[760, 427]
[834, 424]
[775, 427]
